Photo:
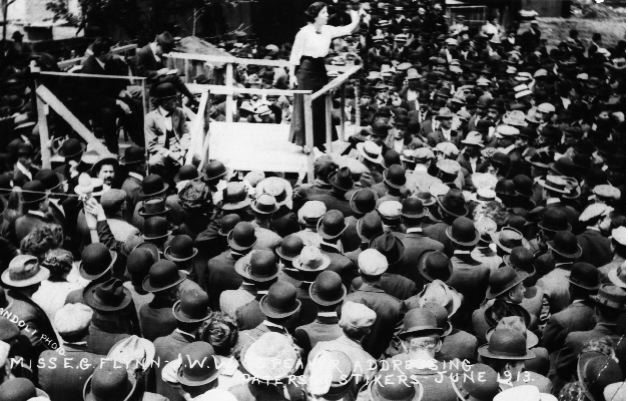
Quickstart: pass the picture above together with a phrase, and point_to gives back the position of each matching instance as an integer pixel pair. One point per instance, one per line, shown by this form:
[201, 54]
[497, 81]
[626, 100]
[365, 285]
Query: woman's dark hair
[313, 9]
[221, 331]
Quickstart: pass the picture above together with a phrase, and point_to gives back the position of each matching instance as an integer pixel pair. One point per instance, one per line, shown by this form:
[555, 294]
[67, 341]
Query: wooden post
[186, 66]
[342, 114]
[358, 117]
[229, 82]
[145, 108]
[328, 122]
[309, 135]
[44, 137]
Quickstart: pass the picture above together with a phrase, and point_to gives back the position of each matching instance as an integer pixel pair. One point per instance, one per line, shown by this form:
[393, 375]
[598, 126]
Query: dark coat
[221, 275]
[27, 223]
[146, 63]
[416, 244]
[333, 202]
[596, 249]
[437, 137]
[579, 316]
[100, 339]
[156, 320]
[389, 314]
[167, 349]
[393, 284]
[459, 344]
[38, 328]
[323, 328]
[339, 263]
[470, 278]
[62, 377]
[302, 193]
[132, 186]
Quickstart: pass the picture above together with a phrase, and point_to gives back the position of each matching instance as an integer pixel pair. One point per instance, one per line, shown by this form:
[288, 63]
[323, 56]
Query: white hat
[390, 209]
[522, 93]
[271, 357]
[437, 189]
[216, 394]
[541, 72]
[311, 210]
[356, 315]
[583, 76]
[607, 191]
[523, 393]
[619, 235]
[473, 138]
[595, 210]
[615, 392]
[372, 263]
[447, 148]
[72, 318]
[371, 152]
[448, 166]
[451, 42]
[546, 108]
[511, 69]
[504, 130]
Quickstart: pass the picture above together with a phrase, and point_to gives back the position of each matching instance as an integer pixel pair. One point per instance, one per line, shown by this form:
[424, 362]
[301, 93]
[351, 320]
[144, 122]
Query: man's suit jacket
[389, 314]
[556, 286]
[332, 202]
[302, 193]
[579, 316]
[27, 223]
[574, 343]
[232, 300]
[100, 340]
[221, 276]
[339, 263]
[393, 284]
[63, 377]
[167, 348]
[459, 344]
[323, 328]
[155, 131]
[19, 178]
[529, 378]
[596, 249]
[100, 91]
[38, 328]
[416, 244]
[156, 320]
[146, 63]
[470, 278]
[437, 137]
[429, 377]
[437, 232]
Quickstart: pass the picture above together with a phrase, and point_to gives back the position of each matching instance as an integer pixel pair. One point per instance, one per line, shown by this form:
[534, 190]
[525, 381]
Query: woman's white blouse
[310, 43]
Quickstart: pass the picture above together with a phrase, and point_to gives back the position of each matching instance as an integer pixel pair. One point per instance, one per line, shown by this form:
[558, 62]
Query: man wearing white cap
[596, 247]
[356, 323]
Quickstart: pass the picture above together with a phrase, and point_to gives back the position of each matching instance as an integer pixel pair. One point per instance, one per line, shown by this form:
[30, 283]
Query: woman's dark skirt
[311, 75]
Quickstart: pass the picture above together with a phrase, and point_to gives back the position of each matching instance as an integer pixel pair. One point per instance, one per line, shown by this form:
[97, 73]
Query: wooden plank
[225, 90]
[336, 82]
[197, 130]
[44, 137]
[342, 115]
[328, 122]
[230, 105]
[309, 136]
[50, 99]
[358, 112]
[98, 76]
[63, 64]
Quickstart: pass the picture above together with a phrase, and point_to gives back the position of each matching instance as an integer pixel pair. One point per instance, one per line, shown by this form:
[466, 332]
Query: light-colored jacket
[155, 133]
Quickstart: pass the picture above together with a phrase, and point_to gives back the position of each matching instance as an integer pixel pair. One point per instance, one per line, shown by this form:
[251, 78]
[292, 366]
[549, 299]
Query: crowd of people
[468, 244]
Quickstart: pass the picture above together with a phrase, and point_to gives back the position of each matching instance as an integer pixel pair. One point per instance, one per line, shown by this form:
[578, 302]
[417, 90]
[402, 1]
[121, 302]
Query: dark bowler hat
[214, 170]
[71, 148]
[363, 201]
[611, 296]
[419, 322]
[426, 199]
[192, 307]
[265, 204]
[502, 280]
[156, 227]
[477, 389]
[186, 172]
[139, 261]
[109, 382]
[585, 276]
[49, 179]
[327, 289]
[242, 237]
[109, 296]
[369, 226]
[199, 365]
[259, 266]
[181, 249]
[33, 192]
[395, 176]
[227, 222]
[20, 389]
[331, 225]
[506, 344]
[435, 265]
[566, 245]
[290, 247]
[390, 246]
[96, 260]
[540, 159]
[412, 208]
[521, 258]
[133, 155]
[554, 219]
[452, 203]
[152, 186]
[235, 197]
[523, 185]
[596, 371]
[162, 275]
[341, 179]
[564, 166]
[153, 207]
[281, 301]
[463, 232]
[164, 90]
[166, 41]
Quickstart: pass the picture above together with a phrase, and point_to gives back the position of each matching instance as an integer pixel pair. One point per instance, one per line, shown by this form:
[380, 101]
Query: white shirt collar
[414, 230]
[136, 175]
[37, 213]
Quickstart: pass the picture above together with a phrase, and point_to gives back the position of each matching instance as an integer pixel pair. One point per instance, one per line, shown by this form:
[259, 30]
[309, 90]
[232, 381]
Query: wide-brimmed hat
[33, 192]
[540, 159]
[311, 259]
[452, 203]
[566, 245]
[50, 180]
[395, 176]
[155, 228]
[107, 158]
[444, 113]
[96, 260]
[281, 301]
[439, 293]
[508, 238]
[192, 307]
[463, 232]
[272, 357]
[153, 185]
[259, 266]
[227, 223]
[214, 170]
[611, 296]
[181, 249]
[412, 208]
[198, 366]
[109, 382]
[434, 265]
[162, 275]
[502, 280]
[363, 201]
[474, 389]
[518, 324]
[390, 246]
[473, 138]
[419, 322]
[109, 296]
[617, 275]
[327, 289]
[277, 187]
[554, 220]
[166, 41]
[235, 196]
[331, 225]
[290, 247]
[153, 207]
[132, 155]
[265, 204]
[24, 271]
[341, 179]
[242, 237]
[72, 147]
[585, 276]
[371, 151]
[369, 226]
[506, 344]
